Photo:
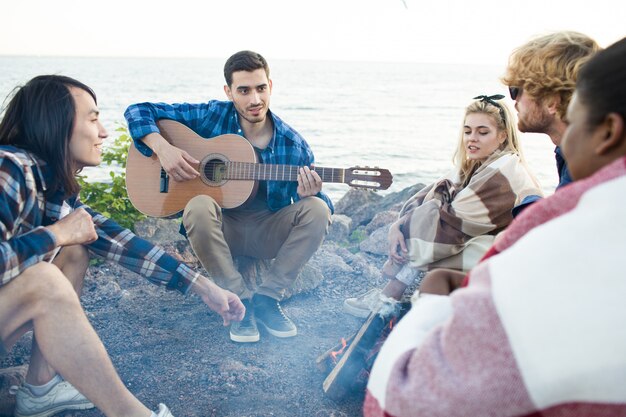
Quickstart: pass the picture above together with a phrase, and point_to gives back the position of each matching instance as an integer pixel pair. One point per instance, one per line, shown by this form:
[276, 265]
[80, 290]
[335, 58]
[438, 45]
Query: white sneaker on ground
[164, 411]
[63, 396]
[364, 304]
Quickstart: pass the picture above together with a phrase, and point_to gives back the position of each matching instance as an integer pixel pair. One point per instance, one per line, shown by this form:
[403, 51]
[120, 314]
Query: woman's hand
[398, 252]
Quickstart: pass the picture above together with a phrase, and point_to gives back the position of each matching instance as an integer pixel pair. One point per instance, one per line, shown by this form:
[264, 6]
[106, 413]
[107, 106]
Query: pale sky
[459, 31]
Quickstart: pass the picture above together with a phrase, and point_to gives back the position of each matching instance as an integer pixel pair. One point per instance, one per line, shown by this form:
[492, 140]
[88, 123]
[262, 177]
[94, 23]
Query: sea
[404, 117]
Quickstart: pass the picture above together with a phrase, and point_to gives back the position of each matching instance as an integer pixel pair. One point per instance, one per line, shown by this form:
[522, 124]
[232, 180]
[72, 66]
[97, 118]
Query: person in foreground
[49, 131]
[286, 221]
[452, 222]
[537, 330]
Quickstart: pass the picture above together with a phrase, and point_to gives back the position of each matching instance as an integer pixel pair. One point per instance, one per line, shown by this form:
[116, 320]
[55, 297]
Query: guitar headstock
[368, 178]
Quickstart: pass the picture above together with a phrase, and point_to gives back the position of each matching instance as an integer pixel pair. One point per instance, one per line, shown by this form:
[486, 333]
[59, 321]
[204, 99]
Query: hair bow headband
[492, 100]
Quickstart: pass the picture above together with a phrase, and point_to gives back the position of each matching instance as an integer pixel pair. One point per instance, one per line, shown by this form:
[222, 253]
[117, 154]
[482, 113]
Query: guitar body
[144, 180]
[228, 169]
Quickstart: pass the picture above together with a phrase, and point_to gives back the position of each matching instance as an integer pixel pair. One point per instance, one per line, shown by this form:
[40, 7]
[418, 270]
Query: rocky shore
[172, 349]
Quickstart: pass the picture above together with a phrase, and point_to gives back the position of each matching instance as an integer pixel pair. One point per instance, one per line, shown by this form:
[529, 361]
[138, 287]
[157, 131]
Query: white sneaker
[63, 396]
[164, 411]
[364, 304]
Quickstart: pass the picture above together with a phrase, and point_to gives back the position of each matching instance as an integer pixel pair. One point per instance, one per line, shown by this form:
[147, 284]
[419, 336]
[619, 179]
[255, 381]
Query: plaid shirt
[216, 118]
[24, 213]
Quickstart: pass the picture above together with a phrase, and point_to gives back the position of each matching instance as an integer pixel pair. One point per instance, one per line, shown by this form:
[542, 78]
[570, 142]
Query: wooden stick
[342, 379]
[351, 373]
[325, 361]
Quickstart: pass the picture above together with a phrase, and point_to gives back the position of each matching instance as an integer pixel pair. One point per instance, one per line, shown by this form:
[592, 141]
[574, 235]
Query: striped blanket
[538, 331]
[447, 225]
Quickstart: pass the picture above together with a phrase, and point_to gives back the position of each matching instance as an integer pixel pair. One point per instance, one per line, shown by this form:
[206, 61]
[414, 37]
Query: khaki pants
[290, 236]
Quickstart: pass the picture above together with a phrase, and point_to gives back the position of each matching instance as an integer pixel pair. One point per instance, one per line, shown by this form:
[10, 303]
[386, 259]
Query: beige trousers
[290, 236]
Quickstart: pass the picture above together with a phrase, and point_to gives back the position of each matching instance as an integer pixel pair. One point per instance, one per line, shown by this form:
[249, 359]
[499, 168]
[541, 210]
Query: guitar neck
[272, 172]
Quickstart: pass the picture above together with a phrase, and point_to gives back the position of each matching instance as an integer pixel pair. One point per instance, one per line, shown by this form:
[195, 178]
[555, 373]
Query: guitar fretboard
[270, 172]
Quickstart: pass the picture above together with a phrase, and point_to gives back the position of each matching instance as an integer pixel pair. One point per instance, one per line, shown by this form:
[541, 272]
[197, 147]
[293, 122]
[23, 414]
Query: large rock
[9, 377]
[377, 243]
[359, 205]
[363, 205]
[360, 214]
[338, 263]
[381, 219]
[394, 201]
[308, 279]
[165, 233]
[330, 260]
[159, 231]
[363, 267]
[339, 229]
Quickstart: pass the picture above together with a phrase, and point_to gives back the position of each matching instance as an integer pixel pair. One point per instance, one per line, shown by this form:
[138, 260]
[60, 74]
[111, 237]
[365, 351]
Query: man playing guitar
[283, 221]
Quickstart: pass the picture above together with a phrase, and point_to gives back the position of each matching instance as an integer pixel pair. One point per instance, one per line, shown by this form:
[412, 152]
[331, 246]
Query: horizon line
[364, 61]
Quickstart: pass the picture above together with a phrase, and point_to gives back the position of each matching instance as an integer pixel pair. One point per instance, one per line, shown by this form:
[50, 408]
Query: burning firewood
[327, 360]
[352, 359]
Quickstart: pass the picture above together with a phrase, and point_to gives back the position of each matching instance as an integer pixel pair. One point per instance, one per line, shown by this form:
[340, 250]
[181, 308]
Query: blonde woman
[452, 222]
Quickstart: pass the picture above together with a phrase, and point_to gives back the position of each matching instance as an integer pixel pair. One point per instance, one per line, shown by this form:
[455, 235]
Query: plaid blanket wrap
[539, 329]
[450, 226]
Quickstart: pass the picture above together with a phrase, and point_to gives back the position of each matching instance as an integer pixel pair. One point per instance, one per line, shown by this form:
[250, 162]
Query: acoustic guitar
[229, 172]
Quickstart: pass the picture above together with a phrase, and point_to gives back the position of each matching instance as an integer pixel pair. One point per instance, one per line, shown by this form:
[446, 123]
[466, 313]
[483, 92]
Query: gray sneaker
[364, 304]
[245, 331]
[164, 411]
[63, 396]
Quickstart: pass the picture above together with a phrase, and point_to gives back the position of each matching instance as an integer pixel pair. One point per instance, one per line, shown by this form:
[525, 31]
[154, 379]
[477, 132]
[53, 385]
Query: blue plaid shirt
[24, 213]
[216, 118]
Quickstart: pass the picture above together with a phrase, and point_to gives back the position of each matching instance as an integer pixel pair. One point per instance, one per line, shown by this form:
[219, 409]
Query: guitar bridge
[165, 182]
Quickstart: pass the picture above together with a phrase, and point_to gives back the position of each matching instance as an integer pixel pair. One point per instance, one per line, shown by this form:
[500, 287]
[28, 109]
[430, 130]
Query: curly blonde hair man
[541, 76]
[548, 65]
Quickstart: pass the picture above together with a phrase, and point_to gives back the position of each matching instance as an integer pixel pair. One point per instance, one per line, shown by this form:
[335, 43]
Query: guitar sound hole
[215, 170]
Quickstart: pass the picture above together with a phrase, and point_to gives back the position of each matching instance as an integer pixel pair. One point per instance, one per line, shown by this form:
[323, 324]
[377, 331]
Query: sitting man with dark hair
[49, 131]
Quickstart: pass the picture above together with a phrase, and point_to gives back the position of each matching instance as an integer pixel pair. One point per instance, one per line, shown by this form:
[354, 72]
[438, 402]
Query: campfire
[348, 364]
[335, 354]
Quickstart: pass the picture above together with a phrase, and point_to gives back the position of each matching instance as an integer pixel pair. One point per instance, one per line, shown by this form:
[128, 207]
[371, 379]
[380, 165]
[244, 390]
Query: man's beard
[252, 119]
[536, 122]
